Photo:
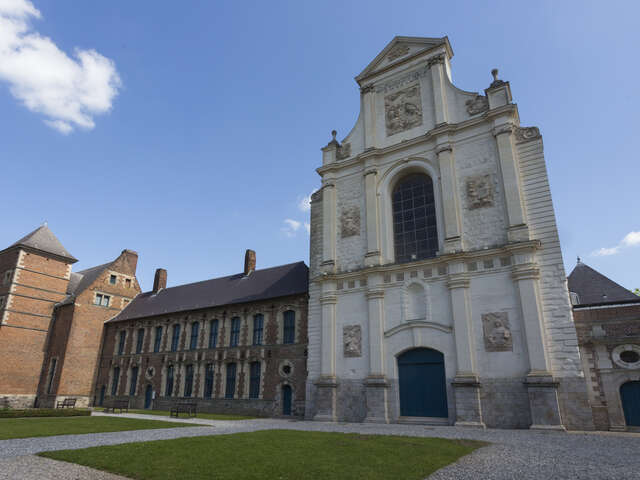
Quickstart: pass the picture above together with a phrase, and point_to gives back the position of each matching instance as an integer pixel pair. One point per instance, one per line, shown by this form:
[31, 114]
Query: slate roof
[291, 279]
[594, 288]
[44, 240]
[81, 280]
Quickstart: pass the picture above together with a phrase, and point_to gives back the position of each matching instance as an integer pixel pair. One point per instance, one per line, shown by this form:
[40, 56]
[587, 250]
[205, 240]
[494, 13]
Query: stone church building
[437, 288]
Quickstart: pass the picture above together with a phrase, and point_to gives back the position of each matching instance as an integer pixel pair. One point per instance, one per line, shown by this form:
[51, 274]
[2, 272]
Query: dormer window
[113, 279]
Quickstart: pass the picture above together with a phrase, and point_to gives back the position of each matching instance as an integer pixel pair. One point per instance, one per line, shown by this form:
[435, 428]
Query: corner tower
[437, 290]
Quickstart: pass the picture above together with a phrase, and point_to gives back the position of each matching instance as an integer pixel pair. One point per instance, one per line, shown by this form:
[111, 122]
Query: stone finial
[579, 262]
[334, 141]
[494, 72]
[496, 81]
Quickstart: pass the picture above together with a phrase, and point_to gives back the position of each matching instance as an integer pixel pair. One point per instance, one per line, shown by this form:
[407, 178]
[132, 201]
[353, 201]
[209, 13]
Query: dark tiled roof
[594, 288]
[44, 240]
[262, 284]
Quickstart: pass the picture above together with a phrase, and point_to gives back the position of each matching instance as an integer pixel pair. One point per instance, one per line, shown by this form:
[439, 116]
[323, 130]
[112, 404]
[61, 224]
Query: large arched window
[415, 233]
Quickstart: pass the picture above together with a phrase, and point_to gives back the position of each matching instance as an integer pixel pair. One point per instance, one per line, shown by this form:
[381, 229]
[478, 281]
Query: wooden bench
[183, 407]
[116, 404]
[67, 403]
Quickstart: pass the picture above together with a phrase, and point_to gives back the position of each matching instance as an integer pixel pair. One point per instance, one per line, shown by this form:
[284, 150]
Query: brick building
[607, 319]
[236, 344]
[51, 318]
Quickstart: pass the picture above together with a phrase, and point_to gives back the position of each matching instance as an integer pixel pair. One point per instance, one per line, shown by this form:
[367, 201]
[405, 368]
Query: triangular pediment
[401, 49]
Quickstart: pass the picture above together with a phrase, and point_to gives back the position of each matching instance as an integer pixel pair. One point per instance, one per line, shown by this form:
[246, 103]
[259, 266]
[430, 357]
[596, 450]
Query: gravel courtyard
[513, 454]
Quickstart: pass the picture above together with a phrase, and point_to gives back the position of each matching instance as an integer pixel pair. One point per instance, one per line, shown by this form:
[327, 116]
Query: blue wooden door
[423, 391]
[286, 400]
[630, 395]
[148, 396]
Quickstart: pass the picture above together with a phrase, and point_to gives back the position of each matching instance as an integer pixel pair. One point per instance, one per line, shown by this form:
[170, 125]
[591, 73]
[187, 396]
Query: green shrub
[44, 412]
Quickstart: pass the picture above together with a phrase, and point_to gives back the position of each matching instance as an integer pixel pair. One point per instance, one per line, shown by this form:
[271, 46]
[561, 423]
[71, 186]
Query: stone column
[327, 383]
[376, 384]
[328, 227]
[517, 230]
[450, 203]
[372, 257]
[466, 384]
[436, 64]
[541, 386]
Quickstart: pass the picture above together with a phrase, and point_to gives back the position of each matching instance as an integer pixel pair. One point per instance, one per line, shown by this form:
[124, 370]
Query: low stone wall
[17, 401]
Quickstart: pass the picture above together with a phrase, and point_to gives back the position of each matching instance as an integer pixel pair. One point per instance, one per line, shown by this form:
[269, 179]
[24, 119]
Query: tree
[636, 291]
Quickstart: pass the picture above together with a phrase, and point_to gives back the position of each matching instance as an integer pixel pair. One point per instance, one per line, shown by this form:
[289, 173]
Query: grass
[44, 412]
[208, 416]
[45, 427]
[278, 454]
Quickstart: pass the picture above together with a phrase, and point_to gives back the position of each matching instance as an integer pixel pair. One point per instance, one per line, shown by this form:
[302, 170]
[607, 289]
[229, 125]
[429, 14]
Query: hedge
[44, 412]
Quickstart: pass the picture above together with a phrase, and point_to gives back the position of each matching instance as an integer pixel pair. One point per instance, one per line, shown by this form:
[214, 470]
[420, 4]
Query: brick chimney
[160, 280]
[132, 259]
[249, 262]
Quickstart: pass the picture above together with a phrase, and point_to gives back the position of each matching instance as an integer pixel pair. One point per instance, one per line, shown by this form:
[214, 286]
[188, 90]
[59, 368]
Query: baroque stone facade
[478, 308]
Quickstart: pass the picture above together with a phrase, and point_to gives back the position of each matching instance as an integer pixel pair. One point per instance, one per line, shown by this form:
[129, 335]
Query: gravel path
[31, 467]
[513, 454]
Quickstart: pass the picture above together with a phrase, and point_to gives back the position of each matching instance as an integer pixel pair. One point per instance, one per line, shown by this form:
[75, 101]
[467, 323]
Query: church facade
[437, 288]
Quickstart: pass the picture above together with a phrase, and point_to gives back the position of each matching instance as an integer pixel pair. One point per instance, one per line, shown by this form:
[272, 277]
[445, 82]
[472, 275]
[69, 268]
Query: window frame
[140, 340]
[195, 334]
[255, 371]
[188, 380]
[209, 375]
[234, 333]
[168, 384]
[157, 343]
[288, 330]
[133, 384]
[113, 279]
[213, 333]
[229, 393]
[258, 333]
[122, 340]
[175, 337]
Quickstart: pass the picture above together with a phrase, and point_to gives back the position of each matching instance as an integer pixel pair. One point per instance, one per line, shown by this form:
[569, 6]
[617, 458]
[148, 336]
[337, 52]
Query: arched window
[258, 327]
[289, 327]
[208, 380]
[254, 380]
[213, 334]
[169, 385]
[235, 332]
[140, 341]
[188, 381]
[134, 381]
[415, 234]
[231, 381]
[175, 337]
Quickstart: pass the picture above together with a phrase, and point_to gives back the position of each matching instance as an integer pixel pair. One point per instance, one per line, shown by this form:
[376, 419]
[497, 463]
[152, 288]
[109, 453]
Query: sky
[191, 131]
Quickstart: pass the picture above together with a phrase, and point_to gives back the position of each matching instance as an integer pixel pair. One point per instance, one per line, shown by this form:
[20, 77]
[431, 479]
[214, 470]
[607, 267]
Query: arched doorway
[630, 396]
[148, 396]
[423, 391]
[286, 400]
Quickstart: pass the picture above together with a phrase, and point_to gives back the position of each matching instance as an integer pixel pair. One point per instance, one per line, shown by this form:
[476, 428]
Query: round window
[630, 356]
[287, 368]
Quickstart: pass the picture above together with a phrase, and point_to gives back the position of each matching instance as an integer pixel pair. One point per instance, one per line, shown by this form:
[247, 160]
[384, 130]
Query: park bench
[67, 403]
[116, 404]
[183, 407]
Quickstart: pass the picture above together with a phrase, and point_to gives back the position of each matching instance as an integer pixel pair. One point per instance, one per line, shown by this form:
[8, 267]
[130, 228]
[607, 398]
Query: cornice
[458, 280]
[431, 135]
[525, 271]
[328, 300]
[372, 294]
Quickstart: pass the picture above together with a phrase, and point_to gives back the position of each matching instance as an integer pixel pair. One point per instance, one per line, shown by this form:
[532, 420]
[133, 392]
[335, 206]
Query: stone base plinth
[467, 397]
[376, 388]
[543, 402]
[326, 399]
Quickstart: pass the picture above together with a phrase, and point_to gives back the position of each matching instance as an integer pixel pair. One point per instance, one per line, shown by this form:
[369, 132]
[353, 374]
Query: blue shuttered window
[258, 328]
[289, 327]
[235, 332]
[195, 330]
[208, 380]
[116, 379]
[158, 340]
[188, 381]
[231, 381]
[169, 385]
[140, 340]
[123, 336]
[175, 337]
[134, 381]
[254, 380]
[213, 334]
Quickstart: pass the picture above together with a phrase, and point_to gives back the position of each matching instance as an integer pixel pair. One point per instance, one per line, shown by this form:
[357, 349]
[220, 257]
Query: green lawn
[45, 427]
[278, 454]
[208, 416]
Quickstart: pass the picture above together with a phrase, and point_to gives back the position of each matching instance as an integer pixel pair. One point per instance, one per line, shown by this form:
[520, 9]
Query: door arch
[630, 397]
[286, 399]
[423, 390]
[148, 396]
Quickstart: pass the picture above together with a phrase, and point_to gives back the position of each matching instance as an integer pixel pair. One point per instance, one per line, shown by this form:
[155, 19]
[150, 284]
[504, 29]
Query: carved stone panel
[350, 222]
[352, 339]
[479, 191]
[403, 110]
[477, 105]
[497, 332]
[524, 134]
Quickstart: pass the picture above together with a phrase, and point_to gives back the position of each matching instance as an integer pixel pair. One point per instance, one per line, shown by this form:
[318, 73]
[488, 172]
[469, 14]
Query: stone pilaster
[466, 385]
[450, 202]
[436, 65]
[327, 384]
[328, 227]
[517, 230]
[372, 257]
[541, 386]
[376, 384]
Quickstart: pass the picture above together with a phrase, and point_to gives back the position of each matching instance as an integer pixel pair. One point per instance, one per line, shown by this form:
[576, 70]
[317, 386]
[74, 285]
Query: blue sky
[190, 131]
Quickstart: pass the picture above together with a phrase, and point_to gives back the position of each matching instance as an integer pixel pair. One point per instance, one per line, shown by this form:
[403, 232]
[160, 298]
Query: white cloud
[69, 92]
[304, 204]
[291, 227]
[631, 239]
